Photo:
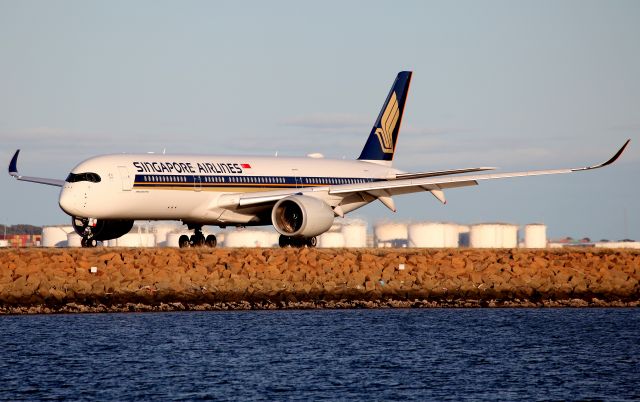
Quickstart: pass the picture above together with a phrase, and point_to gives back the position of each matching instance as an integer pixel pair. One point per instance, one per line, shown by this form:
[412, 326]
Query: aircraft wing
[13, 171]
[387, 188]
[441, 173]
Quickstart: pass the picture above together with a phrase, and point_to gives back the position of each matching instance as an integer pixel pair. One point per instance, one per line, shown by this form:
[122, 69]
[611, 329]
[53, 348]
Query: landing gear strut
[197, 239]
[297, 242]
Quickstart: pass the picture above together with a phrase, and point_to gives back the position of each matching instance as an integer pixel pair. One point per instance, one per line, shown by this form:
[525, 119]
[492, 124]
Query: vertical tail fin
[381, 143]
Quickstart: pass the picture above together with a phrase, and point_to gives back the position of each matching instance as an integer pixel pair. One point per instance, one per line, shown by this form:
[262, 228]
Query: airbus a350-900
[300, 197]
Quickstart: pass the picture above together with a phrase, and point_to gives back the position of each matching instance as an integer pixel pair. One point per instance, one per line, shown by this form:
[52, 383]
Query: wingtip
[610, 161]
[13, 165]
[617, 155]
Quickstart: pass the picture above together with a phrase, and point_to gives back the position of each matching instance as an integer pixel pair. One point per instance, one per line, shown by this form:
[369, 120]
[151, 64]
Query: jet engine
[301, 216]
[103, 229]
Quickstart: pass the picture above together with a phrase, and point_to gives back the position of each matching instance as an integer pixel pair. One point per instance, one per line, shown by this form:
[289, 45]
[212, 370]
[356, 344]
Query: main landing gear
[197, 239]
[297, 242]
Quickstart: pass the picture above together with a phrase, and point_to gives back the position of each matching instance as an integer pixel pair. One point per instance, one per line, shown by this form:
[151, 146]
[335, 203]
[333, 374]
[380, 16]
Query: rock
[275, 278]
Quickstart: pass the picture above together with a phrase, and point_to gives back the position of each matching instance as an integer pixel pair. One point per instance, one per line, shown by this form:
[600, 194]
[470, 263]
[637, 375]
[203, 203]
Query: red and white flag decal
[245, 166]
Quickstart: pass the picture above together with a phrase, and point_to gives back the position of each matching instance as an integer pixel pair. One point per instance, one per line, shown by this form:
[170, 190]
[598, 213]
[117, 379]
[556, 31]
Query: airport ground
[37, 280]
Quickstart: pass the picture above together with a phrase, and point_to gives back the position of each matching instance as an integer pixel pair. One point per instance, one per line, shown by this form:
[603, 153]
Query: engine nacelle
[301, 216]
[104, 229]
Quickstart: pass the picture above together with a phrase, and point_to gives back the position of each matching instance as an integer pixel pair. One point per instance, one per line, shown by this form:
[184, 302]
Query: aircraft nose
[67, 201]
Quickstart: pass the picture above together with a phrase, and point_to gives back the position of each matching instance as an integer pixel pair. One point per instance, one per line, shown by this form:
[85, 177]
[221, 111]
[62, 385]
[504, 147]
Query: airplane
[300, 197]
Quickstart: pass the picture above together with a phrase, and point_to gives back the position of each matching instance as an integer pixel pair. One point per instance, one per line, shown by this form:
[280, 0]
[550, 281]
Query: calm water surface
[431, 354]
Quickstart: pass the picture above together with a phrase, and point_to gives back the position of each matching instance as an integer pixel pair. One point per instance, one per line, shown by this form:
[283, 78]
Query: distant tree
[21, 229]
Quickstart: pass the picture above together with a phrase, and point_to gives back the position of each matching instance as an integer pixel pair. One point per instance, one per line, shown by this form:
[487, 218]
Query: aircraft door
[125, 176]
[197, 183]
[296, 177]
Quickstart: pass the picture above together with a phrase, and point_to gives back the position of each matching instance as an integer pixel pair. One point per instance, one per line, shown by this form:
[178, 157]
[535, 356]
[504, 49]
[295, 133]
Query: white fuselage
[192, 187]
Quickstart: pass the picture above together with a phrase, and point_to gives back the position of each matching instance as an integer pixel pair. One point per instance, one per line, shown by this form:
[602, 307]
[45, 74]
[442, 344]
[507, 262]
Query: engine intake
[301, 216]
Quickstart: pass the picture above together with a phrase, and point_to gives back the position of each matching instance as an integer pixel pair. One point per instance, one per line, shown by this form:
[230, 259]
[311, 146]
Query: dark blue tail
[381, 143]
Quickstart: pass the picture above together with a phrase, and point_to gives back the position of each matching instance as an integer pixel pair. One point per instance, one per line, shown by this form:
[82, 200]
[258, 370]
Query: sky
[518, 85]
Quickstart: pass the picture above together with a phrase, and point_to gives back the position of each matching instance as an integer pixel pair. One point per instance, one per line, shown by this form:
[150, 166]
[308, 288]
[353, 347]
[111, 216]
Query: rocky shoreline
[36, 281]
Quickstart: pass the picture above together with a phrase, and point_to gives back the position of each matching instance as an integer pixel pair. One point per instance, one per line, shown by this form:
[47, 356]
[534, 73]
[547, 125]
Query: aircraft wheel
[183, 241]
[211, 241]
[312, 242]
[284, 241]
[197, 240]
[88, 243]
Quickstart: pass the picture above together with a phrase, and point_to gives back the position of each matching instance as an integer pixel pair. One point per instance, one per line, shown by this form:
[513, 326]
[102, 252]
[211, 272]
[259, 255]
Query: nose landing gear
[88, 242]
[197, 239]
[87, 225]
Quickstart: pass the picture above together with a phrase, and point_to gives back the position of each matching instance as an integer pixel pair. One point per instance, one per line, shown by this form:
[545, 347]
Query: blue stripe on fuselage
[187, 181]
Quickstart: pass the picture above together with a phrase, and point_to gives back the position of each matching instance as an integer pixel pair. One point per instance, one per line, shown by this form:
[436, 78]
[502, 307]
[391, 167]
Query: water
[430, 354]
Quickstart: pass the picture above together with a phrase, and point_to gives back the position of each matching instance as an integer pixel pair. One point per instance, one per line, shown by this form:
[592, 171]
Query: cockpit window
[76, 177]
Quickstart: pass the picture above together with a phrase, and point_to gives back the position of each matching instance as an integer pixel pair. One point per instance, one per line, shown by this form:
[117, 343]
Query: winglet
[609, 162]
[13, 165]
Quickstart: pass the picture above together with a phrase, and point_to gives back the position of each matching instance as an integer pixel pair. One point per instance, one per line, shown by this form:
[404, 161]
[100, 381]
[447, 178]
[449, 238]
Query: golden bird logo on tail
[388, 124]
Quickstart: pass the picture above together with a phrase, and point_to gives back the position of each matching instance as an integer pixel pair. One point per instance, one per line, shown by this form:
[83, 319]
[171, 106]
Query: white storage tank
[619, 244]
[247, 238]
[173, 238]
[4, 243]
[273, 239]
[464, 232]
[55, 236]
[134, 239]
[331, 240]
[74, 240]
[138, 236]
[493, 235]
[509, 236]
[220, 236]
[355, 233]
[336, 227]
[390, 234]
[535, 235]
[161, 232]
[433, 235]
